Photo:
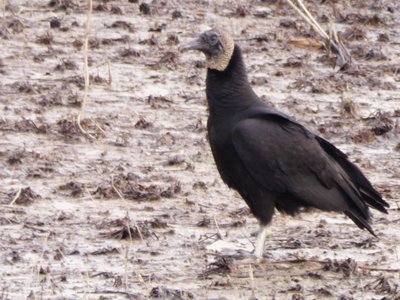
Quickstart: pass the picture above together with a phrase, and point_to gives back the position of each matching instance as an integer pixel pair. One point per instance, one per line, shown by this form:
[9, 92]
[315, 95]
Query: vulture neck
[229, 90]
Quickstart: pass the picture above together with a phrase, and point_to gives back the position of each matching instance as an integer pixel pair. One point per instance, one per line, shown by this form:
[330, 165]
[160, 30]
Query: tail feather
[354, 201]
[368, 194]
[374, 201]
[357, 188]
[360, 221]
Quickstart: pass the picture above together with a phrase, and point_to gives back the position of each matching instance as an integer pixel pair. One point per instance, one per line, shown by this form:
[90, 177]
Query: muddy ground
[136, 209]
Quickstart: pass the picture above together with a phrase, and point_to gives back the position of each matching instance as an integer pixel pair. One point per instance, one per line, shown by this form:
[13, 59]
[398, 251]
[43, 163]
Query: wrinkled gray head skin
[217, 45]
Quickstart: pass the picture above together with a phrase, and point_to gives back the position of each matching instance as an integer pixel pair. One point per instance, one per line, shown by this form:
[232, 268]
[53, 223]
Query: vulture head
[217, 45]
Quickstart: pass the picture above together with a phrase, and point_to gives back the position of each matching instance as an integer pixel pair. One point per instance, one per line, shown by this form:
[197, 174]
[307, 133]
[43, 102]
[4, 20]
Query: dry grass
[127, 253]
[16, 197]
[86, 68]
[332, 40]
[3, 4]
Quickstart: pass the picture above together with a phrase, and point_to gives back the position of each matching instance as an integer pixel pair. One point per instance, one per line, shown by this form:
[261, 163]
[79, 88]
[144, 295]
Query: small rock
[176, 14]
[383, 37]
[144, 8]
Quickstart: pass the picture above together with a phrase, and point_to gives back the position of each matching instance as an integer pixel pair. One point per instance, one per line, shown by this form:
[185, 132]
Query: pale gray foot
[255, 256]
[260, 241]
[242, 252]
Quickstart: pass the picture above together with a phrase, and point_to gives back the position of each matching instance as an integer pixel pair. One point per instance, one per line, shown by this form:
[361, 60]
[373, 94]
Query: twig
[343, 52]
[38, 228]
[98, 126]
[254, 38]
[100, 274]
[303, 260]
[109, 73]
[299, 261]
[12, 209]
[379, 269]
[208, 237]
[305, 18]
[86, 68]
[135, 223]
[219, 231]
[313, 21]
[63, 255]
[335, 45]
[3, 7]
[39, 259]
[85, 56]
[16, 197]
[115, 292]
[251, 275]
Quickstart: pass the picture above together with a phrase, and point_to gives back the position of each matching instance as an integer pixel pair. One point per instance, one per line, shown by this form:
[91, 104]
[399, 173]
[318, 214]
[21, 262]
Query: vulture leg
[261, 236]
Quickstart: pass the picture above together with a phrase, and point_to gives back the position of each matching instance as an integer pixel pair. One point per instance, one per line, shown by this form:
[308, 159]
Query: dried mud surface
[137, 210]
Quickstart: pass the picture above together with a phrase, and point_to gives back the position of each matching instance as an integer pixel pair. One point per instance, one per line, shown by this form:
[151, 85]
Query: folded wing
[283, 157]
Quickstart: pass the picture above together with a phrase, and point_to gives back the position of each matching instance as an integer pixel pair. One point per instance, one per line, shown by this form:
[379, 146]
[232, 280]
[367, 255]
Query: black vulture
[269, 158]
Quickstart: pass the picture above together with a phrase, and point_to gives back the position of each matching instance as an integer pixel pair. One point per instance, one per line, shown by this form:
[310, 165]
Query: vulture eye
[213, 39]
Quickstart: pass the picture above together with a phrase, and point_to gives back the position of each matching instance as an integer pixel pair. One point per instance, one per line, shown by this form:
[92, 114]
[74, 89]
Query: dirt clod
[55, 23]
[354, 33]
[143, 124]
[167, 293]
[12, 258]
[221, 265]
[205, 222]
[363, 136]
[16, 157]
[129, 52]
[176, 14]
[324, 292]
[66, 64]
[62, 4]
[383, 37]
[75, 188]
[384, 285]
[16, 26]
[347, 267]
[124, 25]
[24, 197]
[144, 8]
[134, 232]
[46, 39]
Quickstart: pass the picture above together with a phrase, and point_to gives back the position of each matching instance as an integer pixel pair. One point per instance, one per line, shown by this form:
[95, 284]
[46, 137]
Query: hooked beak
[193, 45]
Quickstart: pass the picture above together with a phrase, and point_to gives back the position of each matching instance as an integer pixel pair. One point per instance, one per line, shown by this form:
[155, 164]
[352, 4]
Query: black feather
[273, 161]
